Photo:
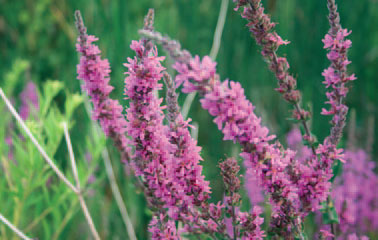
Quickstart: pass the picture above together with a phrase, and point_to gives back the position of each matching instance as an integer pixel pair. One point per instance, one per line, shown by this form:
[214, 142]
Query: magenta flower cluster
[166, 159]
[296, 188]
[94, 72]
[355, 201]
[335, 75]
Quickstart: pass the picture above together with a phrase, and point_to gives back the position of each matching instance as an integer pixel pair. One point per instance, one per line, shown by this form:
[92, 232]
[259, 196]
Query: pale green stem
[13, 228]
[79, 194]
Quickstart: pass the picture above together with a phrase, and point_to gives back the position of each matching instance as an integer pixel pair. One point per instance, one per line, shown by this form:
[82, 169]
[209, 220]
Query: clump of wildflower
[244, 225]
[145, 118]
[153, 159]
[94, 72]
[234, 116]
[336, 75]
[295, 188]
[166, 231]
[262, 30]
[189, 186]
[355, 203]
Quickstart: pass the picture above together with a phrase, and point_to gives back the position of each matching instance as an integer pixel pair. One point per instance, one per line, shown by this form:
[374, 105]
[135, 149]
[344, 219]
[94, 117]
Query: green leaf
[72, 102]
[331, 216]
[13, 76]
[337, 170]
[329, 213]
[50, 90]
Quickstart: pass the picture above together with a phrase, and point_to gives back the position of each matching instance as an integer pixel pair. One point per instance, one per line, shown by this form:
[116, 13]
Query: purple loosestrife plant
[336, 75]
[166, 158]
[192, 191]
[94, 72]
[235, 118]
[355, 201]
[191, 187]
[153, 158]
[243, 225]
[262, 30]
[301, 185]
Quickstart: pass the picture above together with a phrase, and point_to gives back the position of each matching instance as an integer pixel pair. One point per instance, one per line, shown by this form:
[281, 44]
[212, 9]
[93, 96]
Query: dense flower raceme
[262, 30]
[235, 117]
[241, 224]
[152, 156]
[190, 187]
[94, 72]
[145, 121]
[336, 75]
[166, 157]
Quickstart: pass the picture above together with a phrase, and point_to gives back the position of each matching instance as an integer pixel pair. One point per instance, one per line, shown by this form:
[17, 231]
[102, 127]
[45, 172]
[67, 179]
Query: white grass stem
[79, 194]
[35, 142]
[14, 229]
[117, 195]
[187, 104]
[113, 182]
[219, 29]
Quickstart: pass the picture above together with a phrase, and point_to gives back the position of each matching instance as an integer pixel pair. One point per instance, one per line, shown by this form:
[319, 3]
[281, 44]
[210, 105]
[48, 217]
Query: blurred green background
[43, 33]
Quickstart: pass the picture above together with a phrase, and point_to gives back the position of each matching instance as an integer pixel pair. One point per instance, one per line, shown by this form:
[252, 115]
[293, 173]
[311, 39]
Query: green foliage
[37, 42]
[329, 214]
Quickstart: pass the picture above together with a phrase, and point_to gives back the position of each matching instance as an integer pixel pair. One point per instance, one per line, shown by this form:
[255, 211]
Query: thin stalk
[219, 29]
[233, 218]
[13, 228]
[79, 194]
[113, 182]
[117, 195]
[35, 142]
